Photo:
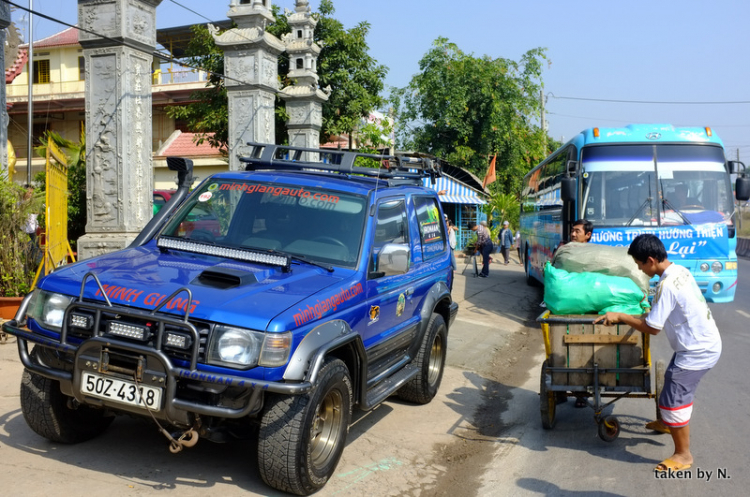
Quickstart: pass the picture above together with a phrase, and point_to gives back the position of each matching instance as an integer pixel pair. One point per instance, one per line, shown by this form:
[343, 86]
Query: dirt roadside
[469, 456]
[397, 449]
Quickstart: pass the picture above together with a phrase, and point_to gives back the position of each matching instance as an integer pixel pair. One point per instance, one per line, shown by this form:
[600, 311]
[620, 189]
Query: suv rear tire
[302, 436]
[431, 363]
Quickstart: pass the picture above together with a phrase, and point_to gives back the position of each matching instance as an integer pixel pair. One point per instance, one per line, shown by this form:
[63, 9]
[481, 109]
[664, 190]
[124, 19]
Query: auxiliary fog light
[83, 321]
[177, 340]
[716, 287]
[126, 330]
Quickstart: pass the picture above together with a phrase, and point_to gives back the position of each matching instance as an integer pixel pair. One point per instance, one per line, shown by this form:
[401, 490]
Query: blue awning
[455, 192]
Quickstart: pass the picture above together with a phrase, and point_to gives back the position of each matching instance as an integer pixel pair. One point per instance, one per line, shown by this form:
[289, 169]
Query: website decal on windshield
[276, 191]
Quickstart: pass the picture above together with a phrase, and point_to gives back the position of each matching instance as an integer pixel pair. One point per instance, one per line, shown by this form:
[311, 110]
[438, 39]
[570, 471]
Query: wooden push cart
[594, 362]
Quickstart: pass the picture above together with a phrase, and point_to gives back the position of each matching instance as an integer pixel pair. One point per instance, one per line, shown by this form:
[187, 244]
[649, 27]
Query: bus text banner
[706, 241]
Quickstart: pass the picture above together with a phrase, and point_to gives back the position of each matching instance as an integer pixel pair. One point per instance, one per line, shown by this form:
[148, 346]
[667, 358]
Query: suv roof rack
[264, 156]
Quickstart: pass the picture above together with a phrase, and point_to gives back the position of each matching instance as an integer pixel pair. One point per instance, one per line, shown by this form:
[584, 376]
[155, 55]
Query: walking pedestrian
[452, 242]
[506, 241]
[451, 232]
[484, 246]
[680, 310]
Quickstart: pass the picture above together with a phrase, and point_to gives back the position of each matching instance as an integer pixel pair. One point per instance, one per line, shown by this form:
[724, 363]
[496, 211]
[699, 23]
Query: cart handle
[547, 317]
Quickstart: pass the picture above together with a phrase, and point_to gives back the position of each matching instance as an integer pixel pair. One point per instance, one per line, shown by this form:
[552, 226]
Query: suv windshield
[624, 184]
[314, 224]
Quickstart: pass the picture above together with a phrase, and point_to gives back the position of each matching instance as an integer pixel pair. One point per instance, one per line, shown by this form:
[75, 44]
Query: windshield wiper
[302, 258]
[643, 204]
[667, 203]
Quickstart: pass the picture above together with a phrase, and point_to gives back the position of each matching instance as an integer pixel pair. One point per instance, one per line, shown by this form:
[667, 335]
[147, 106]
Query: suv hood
[144, 277]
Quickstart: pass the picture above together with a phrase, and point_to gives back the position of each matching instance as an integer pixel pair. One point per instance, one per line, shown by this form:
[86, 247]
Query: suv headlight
[240, 347]
[48, 309]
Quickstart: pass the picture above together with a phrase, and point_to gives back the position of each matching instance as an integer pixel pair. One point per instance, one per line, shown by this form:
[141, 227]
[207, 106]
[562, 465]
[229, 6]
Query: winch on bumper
[100, 369]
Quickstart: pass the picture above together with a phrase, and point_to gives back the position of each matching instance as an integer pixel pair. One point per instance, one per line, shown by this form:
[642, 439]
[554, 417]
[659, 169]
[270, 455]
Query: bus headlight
[716, 267]
[48, 309]
[705, 267]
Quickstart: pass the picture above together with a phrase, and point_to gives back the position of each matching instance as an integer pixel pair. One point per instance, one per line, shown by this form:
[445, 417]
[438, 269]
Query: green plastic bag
[591, 293]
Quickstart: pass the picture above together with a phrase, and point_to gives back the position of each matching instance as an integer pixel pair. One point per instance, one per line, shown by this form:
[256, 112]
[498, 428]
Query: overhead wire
[650, 102]
[155, 53]
[191, 10]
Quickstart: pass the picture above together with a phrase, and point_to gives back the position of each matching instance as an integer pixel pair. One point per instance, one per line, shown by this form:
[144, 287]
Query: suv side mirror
[393, 259]
[742, 188]
[184, 169]
[568, 189]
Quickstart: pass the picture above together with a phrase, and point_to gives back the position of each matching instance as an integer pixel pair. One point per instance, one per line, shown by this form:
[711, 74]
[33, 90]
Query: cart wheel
[609, 429]
[659, 380]
[547, 402]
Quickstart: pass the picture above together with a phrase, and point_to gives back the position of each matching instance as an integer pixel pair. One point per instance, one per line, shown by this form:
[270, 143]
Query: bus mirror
[571, 166]
[568, 189]
[735, 166]
[742, 189]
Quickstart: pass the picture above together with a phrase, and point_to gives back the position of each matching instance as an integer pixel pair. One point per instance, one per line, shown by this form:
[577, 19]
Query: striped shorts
[676, 399]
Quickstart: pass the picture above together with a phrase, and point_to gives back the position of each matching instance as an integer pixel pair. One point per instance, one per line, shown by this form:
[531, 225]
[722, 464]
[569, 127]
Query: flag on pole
[490, 176]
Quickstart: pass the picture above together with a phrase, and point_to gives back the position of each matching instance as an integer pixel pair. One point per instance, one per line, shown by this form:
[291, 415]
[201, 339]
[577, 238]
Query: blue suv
[270, 302]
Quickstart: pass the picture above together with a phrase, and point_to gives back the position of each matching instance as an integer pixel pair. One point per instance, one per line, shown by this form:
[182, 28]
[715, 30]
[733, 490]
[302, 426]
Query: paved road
[572, 460]
[397, 449]
[480, 436]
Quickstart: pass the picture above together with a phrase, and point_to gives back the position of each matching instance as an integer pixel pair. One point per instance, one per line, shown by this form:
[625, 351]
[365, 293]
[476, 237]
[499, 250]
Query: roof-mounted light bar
[282, 260]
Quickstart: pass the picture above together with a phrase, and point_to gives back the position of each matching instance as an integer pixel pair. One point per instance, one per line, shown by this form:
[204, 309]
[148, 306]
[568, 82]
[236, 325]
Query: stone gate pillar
[119, 175]
[251, 64]
[304, 100]
[4, 23]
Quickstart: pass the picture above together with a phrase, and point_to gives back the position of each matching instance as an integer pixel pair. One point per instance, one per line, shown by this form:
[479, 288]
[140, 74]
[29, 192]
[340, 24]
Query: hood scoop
[224, 278]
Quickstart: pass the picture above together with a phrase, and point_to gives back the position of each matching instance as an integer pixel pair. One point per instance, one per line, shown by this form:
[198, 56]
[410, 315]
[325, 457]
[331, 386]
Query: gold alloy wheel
[435, 366]
[326, 429]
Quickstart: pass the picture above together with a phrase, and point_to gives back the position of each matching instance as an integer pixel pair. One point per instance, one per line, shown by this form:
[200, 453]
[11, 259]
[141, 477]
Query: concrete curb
[743, 247]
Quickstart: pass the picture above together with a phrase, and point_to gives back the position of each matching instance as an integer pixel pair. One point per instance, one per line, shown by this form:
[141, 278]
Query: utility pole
[30, 116]
[544, 124]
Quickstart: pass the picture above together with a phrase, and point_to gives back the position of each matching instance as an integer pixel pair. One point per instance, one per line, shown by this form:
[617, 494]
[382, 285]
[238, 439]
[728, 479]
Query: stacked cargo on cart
[594, 362]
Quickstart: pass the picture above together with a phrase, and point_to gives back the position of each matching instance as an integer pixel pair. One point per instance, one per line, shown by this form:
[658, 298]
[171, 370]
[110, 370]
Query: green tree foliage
[20, 254]
[503, 207]
[467, 109]
[354, 76]
[344, 64]
[76, 154]
[208, 115]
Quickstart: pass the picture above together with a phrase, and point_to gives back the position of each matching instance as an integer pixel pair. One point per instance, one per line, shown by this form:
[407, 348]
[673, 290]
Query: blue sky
[632, 50]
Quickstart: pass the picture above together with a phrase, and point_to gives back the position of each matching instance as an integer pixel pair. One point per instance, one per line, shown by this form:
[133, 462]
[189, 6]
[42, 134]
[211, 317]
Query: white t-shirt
[681, 311]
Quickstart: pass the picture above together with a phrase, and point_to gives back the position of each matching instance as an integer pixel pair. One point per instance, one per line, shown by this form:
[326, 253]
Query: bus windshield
[655, 185]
